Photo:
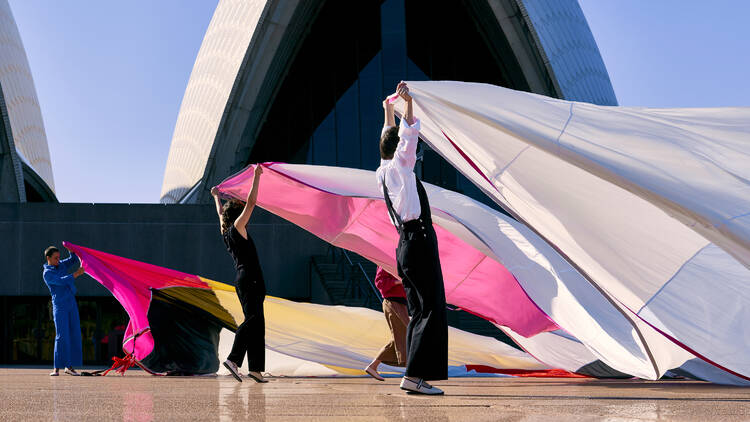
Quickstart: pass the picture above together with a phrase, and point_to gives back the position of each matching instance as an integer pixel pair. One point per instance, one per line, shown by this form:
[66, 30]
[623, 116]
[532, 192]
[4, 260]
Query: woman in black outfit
[251, 288]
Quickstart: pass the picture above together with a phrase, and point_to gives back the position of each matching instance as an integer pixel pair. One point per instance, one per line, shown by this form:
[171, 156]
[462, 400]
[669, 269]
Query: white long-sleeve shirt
[399, 173]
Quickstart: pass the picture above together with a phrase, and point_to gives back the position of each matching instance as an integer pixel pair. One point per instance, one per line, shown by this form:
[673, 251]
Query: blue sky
[674, 53]
[110, 76]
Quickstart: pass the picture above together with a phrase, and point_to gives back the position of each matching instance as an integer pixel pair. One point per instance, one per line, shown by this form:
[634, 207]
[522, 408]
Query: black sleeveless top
[243, 253]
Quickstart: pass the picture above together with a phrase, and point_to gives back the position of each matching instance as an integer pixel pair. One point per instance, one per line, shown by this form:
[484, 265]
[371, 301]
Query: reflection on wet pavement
[31, 394]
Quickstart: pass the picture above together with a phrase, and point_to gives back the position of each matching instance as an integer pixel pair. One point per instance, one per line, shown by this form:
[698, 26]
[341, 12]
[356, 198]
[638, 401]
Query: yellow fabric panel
[216, 285]
[357, 329]
[227, 296]
[346, 371]
[363, 332]
[307, 320]
[346, 339]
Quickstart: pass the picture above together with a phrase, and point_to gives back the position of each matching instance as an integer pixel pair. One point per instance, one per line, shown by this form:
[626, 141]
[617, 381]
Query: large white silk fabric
[651, 206]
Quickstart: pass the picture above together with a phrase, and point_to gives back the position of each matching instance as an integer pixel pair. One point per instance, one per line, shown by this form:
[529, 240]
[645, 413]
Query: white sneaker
[71, 371]
[257, 376]
[55, 373]
[232, 367]
[419, 386]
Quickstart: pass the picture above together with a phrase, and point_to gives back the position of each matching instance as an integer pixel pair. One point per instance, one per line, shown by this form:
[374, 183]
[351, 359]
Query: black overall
[251, 290]
[419, 268]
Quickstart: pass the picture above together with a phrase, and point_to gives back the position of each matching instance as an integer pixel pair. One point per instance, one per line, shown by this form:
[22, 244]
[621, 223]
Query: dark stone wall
[181, 237]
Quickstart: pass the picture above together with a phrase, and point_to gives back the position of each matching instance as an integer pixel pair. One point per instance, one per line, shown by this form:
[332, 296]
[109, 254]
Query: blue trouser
[68, 351]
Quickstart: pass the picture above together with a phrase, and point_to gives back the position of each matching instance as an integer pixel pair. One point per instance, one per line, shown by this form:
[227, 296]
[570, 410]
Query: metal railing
[359, 285]
[370, 282]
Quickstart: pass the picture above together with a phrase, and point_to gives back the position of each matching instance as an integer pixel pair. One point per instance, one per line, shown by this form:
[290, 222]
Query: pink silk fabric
[130, 282]
[473, 281]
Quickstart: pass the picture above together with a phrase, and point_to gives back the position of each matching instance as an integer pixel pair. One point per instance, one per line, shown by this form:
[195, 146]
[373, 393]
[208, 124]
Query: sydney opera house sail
[275, 81]
[25, 167]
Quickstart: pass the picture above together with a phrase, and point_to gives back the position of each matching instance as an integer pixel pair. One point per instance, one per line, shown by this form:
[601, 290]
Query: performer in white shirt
[417, 253]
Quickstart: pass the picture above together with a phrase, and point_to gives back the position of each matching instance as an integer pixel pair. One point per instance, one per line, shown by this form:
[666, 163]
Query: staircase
[347, 278]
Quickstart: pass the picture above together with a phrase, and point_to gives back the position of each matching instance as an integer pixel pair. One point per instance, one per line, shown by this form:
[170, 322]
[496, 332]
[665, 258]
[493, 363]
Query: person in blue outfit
[61, 284]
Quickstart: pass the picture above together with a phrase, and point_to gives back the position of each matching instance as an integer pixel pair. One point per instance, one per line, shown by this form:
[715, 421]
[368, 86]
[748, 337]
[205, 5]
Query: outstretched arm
[252, 198]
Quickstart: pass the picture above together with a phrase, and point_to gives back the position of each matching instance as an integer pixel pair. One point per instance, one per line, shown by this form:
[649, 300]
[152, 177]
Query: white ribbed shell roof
[558, 26]
[216, 67]
[21, 101]
[569, 50]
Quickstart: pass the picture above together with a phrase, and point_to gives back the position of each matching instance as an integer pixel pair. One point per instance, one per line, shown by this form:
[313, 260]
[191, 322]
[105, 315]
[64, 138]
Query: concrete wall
[181, 237]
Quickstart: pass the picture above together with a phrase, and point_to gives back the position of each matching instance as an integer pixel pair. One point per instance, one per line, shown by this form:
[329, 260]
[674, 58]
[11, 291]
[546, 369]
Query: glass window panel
[371, 113]
[324, 142]
[347, 128]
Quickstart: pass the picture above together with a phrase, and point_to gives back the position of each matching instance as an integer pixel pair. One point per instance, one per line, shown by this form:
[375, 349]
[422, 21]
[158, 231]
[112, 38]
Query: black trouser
[250, 336]
[427, 333]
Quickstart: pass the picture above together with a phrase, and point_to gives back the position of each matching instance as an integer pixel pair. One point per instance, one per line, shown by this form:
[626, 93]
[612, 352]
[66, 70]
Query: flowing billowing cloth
[491, 264]
[345, 208]
[650, 206]
[179, 322]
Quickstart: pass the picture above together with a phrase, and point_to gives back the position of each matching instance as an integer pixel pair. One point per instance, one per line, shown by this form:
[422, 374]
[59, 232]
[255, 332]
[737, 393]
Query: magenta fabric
[388, 285]
[473, 281]
[130, 282]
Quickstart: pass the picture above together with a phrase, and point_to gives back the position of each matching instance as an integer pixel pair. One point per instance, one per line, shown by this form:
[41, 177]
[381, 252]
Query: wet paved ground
[30, 394]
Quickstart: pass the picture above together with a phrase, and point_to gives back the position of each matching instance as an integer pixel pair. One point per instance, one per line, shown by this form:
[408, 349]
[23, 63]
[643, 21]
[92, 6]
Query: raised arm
[406, 151]
[389, 120]
[403, 92]
[217, 202]
[252, 198]
[68, 262]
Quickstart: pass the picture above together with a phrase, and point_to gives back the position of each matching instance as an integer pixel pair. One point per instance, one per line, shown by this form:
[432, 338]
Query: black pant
[250, 336]
[427, 333]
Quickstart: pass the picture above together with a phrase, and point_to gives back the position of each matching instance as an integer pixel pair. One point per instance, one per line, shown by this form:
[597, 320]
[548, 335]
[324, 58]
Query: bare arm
[403, 92]
[252, 198]
[389, 119]
[217, 202]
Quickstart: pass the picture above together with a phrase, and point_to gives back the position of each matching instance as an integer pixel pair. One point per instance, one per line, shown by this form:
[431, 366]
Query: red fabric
[121, 365]
[389, 285]
[538, 373]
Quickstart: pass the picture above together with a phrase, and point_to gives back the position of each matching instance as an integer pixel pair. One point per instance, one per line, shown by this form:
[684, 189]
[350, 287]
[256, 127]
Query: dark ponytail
[229, 213]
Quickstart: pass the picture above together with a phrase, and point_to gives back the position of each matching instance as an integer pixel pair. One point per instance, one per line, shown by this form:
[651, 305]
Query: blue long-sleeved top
[60, 282]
